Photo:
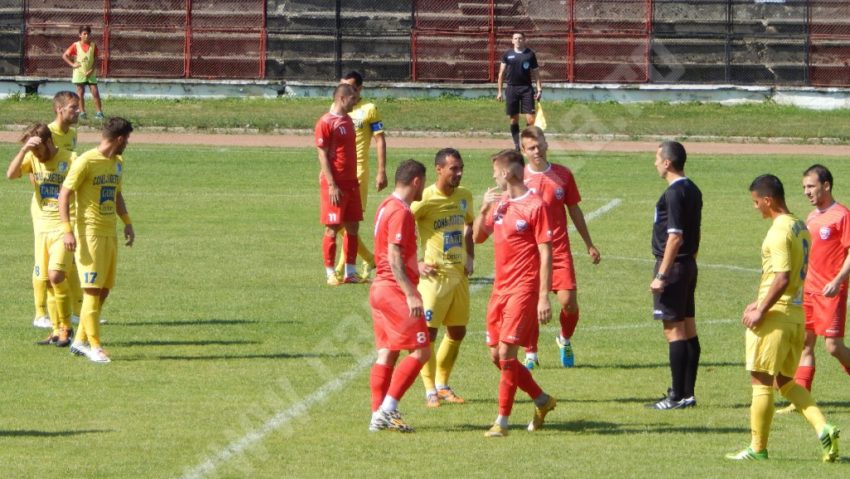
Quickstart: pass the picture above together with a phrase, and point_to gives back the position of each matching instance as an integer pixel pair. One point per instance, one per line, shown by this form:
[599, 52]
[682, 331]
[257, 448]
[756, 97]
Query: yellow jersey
[441, 220]
[96, 181]
[785, 249]
[63, 141]
[367, 123]
[47, 180]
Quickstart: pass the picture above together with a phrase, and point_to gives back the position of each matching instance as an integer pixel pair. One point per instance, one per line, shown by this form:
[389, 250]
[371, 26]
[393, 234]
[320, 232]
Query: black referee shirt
[679, 210]
[518, 66]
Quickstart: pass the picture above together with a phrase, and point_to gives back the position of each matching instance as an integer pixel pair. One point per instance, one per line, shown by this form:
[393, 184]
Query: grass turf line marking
[237, 447]
[729, 267]
[599, 212]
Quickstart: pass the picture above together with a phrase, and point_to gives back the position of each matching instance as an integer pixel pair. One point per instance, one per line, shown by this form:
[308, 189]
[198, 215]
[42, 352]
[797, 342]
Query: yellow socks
[446, 357]
[427, 372]
[76, 292]
[90, 320]
[802, 398]
[39, 293]
[61, 294]
[52, 310]
[761, 416]
[364, 252]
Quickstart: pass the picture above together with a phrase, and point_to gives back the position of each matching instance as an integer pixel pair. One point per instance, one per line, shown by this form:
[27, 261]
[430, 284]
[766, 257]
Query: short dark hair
[518, 33]
[343, 89]
[442, 155]
[768, 186]
[354, 75]
[408, 170]
[63, 97]
[674, 152]
[822, 172]
[85, 28]
[117, 126]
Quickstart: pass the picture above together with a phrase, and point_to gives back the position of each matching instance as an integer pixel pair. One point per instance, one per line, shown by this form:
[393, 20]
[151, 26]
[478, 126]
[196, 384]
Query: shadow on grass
[33, 433]
[194, 322]
[837, 406]
[480, 280]
[230, 357]
[182, 343]
[722, 364]
[610, 428]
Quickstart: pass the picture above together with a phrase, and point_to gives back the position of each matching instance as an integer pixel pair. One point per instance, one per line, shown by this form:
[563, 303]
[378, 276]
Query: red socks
[507, 385]
[349, 249]
[805, 376]
[404, 376]
[379, 382]
[329, 250]
[527, 383]
[568, 323]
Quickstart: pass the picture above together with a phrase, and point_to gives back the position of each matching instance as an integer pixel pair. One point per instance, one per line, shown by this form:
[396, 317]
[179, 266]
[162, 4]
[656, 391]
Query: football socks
[761, 416]
[802, 398]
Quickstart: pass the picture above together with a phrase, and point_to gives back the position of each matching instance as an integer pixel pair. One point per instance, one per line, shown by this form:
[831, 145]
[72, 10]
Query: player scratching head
[534, 147]
[817, 186]
[768, 196]
[409, 181]
[508, 167]
[40, 142]
[66, 105]
[115, 136]
[345, 97]
[449, 166]
[670, 160]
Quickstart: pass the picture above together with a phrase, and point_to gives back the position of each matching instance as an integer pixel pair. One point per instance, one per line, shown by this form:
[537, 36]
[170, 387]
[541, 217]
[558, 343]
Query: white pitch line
[729, 267]
[278, 420]
[599, 212]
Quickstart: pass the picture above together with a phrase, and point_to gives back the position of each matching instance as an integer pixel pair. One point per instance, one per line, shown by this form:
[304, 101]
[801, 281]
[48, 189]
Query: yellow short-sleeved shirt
[96, 180]
[785, 248]
[367, 123]
[48, 178]
[441, 220]
[63, 141]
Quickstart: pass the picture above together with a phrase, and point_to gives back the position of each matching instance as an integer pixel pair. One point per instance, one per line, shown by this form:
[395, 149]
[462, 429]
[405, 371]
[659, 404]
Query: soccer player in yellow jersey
[96, 180]
[444, 219]
[368, 126]
[775, 326]
[47, 167]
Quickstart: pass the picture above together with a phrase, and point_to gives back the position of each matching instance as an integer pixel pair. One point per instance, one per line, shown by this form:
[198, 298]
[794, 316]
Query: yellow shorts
[363, 180]
[96, 257]
[776, 345]
[445, 299]
[50, 254]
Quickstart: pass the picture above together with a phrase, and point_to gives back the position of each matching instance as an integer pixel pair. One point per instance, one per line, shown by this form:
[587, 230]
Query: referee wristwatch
[661, 276]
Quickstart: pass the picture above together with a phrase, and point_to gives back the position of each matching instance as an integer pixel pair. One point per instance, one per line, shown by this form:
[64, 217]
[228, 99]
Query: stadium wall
[743, 42]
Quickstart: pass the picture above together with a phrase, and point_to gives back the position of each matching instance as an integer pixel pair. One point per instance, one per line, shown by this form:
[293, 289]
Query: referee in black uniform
[519, 68]
[675, 242]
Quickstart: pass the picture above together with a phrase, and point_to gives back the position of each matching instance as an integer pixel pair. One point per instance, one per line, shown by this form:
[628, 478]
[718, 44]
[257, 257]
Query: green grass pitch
[231, 358]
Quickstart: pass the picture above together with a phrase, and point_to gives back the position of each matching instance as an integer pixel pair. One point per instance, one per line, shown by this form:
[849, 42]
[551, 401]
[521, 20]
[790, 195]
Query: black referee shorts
[676, 302]
[519, 99]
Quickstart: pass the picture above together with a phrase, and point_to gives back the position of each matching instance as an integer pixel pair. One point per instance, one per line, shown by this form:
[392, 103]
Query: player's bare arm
[577, 216]
[14, 170]
[671, 250]
[411, 295]
[324, 164]
[831, 289]
[381, 148]
[121, 210]
[544, 310]
[535, 77]
[480, 230]
[469, 264]
[65, 217]
[499, 81]
[753, 316]
[71, 63]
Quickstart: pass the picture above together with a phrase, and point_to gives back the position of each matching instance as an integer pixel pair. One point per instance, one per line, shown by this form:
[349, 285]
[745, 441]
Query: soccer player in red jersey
[397, 313]
[519, 222]
[825, 289]
[341, 205]
[556, 186]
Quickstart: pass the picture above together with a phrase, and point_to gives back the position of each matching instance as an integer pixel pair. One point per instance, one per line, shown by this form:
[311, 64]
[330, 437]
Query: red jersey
[830, 231]
[395, 224]
[336, 134]
[557, 188]
[518, 226]
[72, 50]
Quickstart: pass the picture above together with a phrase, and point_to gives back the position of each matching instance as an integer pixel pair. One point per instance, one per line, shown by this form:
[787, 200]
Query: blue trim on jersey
[377, 126]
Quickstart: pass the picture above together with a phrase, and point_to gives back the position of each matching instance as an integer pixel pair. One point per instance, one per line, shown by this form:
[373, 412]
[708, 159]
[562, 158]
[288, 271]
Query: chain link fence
[150, 38]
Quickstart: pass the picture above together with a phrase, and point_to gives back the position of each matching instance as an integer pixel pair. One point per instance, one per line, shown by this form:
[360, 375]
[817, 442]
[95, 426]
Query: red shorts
[563, 272]
[394, 328]
[511, 318]
[349, 209]
[825, 316]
